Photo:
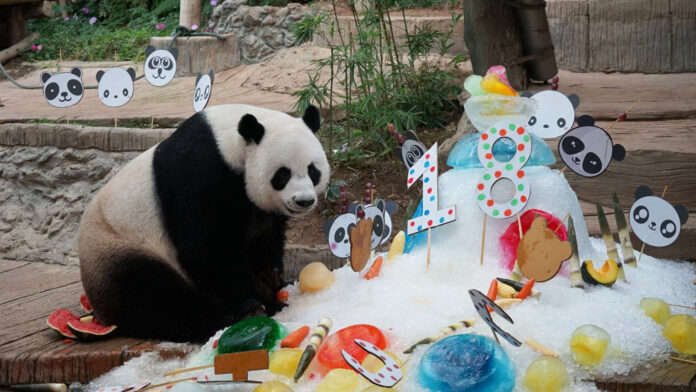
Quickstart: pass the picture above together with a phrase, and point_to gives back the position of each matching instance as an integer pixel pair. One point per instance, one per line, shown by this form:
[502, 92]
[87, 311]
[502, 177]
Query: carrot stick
[492, 293]
[526, 290]
[374, 269]
[295, 339]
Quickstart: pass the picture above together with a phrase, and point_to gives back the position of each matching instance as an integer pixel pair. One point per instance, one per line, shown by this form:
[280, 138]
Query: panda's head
[380, 213]
[338, 230]
[554, 114]
[115, 86]
[160, 65]
[412, 149]
[654, 220]
[63, 89]
[286, 167]
[201, 94]
[587, 150]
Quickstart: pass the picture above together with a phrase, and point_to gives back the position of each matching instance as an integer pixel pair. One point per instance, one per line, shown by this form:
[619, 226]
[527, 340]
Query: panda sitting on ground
[188, 237]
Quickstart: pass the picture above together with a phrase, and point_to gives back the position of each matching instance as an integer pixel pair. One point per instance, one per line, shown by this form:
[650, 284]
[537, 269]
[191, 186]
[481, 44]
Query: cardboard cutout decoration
[63, 89]
[654, 220]
[480, 304]
[203, 90]
[426, 167]
[337, 230]
[540, 252]
[115, 86]
[380, 213]
[360, 244]
[240, 364]
[411, 150]
[587, 150]
[387, 376]
[160, 65]
[554, 114]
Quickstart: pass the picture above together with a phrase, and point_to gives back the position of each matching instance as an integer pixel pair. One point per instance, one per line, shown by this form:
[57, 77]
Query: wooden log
[45, 10]
[190, 13]
[17, 24]
[491, 33]
[14, 50]
[200, 54]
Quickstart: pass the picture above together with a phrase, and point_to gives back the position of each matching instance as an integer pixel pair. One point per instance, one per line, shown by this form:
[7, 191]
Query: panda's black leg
[146, 298]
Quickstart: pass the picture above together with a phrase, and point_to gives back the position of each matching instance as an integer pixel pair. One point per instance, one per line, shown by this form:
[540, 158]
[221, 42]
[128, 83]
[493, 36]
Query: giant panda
[188, 237]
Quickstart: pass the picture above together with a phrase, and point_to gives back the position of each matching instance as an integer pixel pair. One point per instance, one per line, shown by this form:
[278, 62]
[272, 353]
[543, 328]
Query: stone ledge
[80, 137]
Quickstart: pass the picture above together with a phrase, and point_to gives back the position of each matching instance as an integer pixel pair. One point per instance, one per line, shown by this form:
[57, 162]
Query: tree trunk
[190, 13]
[492, 35]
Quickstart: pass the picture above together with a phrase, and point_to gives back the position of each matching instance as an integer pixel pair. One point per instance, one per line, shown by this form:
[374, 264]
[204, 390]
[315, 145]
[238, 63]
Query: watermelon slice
[330, 351]
[58, 321]
[84, 303]
[89, 330]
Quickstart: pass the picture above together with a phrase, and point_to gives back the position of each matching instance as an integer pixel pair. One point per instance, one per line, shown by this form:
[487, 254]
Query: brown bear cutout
[541, 253]
[360, 244]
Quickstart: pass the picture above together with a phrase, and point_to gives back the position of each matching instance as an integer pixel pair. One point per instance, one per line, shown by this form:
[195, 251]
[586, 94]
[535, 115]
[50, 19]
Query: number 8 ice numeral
[495, 170]
[426, 167]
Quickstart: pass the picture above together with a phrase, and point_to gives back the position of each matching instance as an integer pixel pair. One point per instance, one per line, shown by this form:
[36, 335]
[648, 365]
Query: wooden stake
[152, 121]
[617, 119]
[164, 384]
[561, 224]
[428, 256]
[564, 168]
[483, 236]
[516, 273]
[115, 119]
[179, 371]
[683, 360]
[682, 306]
[538, 347]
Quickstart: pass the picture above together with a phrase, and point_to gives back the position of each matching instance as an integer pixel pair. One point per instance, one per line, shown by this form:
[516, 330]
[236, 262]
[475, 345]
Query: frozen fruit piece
[546, 374]
[315, 277]
[466, 363]
[273, 386]
[284, 361]
[329, 353]
[373, 272]
[254, 333]
[58, 321]
[397, 246]
[589, 344]
[464, 154]
[84, 303]
[494, 84]
[656, 309]
[340, 380]
[510, 239]
[472, 84]
[295, 339]
[680, 330]
[90, 330]
[373, 364]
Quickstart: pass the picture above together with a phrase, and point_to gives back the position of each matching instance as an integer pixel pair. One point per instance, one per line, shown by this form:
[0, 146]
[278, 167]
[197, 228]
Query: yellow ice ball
[340, 380]
[546, 374]
[589, 344]
[397, 245]
[680, 330]
[284, 361]
[656, 309]
[315, 277]
[273, 386]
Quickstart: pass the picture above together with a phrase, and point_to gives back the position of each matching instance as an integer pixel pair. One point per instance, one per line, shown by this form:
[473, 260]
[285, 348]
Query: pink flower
[66, 19]
[160, 26]
[213, 2]
[194, 27]
[92, 20]
[33, 47]
[38, 47]
[85, 10]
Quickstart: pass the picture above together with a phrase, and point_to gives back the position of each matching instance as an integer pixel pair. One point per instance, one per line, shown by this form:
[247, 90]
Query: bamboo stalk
[624, 236]
[612, 253]
[575, 275]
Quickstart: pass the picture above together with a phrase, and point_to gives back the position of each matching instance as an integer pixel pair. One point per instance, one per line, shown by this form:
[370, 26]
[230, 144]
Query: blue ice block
[418, 238]
[464, 155]
[462, 363]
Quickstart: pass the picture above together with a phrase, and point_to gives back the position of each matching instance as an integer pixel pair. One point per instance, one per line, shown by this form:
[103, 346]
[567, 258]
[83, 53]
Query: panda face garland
[587, 150]
[554, 115]
[654, 220]
[203, 90]
[338, 229]
[63, 89]
[160, 65]
[115, 86]
[411, 151]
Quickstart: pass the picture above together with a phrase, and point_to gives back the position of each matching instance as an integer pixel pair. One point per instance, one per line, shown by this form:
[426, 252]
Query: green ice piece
[254, 333]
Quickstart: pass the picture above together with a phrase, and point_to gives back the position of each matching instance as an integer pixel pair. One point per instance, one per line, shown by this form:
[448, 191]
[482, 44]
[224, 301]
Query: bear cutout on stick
[554, 114]
[203, 90]
[160, 65]
[412, 149]
[115, 86]
[654, 220]
[188, 237]
[587, 150]
[540, 252]
[63, 89]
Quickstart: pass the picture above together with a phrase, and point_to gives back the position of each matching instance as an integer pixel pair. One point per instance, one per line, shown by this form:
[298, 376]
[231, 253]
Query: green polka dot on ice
[486, 177]
[512, 127]
[496, 212]
[481, 196]
[508, 167]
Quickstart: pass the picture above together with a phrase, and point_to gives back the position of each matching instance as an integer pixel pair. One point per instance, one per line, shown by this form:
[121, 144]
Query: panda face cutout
[554, 114]
[587, 150]
[64, 89]
[338, 230]
[411, 151]
[160, 65]
[203, 90]
[380, 213]
[654, 220]
[115, 86]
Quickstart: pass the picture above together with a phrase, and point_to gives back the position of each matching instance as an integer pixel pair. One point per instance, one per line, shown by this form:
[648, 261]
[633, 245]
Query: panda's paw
[251, 307]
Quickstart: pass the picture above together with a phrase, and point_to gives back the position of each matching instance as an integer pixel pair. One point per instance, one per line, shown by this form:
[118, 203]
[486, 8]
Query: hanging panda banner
[160, 65]
[654, 220]
[203, 90]
[587, 150]
[63, 89]
[115, 86]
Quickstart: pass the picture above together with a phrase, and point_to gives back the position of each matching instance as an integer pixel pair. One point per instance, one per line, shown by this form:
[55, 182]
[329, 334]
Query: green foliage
[378, 81]
[274, 3]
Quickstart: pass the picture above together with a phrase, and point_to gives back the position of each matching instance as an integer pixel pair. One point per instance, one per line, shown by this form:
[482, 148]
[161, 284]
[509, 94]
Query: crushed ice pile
[409, 301]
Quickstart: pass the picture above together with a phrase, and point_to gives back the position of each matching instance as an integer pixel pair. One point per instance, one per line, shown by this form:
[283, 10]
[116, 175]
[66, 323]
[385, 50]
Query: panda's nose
[546, 125]
[304, 203]
[64, 94]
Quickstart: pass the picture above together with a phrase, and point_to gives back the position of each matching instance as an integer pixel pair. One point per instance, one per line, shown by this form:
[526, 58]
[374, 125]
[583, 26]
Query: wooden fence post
[190, 13]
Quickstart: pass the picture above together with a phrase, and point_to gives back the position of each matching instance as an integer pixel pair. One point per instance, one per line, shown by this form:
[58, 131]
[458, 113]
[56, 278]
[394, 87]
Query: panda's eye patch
[75, 87]
[281, 178]
[592, 164]
[314, 174]
[378, 226]
[416, 151]
[641, 214]
[339, 235]
[52, 90]
[572, 145]
[154, 62]
[198, 94]
[668, 229]
[167, 64]
[125, 92]
[106, 93]
[532, 120]
[561, 122]
[207, 92]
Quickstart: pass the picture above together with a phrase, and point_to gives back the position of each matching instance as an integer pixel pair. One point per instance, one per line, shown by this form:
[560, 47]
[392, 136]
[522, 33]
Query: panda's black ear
[45, 76]
[683, 213]
[100, 73]
[175, 52]
[392, 207]
[585, 121]
[250, 129]
[312, 118]
[526, 94]
[575, 100]
[410, 135]
[149, 50]
[198, 77]
[619, 152]
[643, 191]
[380, 205]
[327, 226]
[353, 208]
[77, 72]
[131, 72]
[212, 76]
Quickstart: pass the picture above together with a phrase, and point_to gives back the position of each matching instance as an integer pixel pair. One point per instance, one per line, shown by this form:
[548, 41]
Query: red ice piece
[329, 353]
[511, 237]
